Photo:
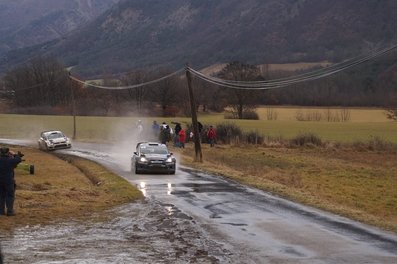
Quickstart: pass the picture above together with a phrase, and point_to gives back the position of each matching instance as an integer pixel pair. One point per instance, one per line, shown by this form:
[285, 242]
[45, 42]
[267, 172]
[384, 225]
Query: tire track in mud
[144, 232]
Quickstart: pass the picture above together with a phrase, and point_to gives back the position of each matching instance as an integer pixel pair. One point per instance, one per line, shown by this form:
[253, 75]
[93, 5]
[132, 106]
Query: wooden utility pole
[196, 134]
[73, 106]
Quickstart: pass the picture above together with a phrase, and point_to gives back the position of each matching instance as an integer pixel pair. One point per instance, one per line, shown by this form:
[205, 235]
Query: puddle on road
[213, 187]
[147, 232]
[87, 153]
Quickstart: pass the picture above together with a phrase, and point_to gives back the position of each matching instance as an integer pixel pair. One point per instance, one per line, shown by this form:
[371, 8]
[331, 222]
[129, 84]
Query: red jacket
[182, 136]
[211, 133]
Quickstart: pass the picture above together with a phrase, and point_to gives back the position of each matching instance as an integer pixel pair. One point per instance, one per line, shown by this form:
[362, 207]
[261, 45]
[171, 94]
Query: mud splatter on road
[136, 233]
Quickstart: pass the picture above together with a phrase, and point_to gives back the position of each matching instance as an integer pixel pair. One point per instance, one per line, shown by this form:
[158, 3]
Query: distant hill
[158, 33]
[25, 23]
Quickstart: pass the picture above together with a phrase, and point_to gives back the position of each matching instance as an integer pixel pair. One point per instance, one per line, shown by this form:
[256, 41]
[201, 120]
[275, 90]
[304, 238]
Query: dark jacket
[178, 128]
[7, 166]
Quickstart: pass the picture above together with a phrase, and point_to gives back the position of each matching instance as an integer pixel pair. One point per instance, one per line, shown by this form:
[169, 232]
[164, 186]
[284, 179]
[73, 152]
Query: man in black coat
[177, 129]
[8, 162]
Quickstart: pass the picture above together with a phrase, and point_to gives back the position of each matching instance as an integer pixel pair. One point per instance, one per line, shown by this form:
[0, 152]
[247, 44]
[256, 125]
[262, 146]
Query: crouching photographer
[8, 162]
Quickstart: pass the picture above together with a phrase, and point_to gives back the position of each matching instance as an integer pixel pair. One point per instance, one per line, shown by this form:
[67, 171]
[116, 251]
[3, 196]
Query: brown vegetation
[64, 188]
[357, 183]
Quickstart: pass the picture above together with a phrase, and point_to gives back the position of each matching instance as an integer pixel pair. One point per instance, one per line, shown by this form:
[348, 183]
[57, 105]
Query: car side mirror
[135, 153]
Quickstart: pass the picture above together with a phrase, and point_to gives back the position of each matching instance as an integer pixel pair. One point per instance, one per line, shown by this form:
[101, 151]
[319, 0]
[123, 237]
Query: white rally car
[53, 139]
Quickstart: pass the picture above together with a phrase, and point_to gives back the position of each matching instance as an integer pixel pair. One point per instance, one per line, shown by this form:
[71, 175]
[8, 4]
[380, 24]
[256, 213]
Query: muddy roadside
[72, 210]
[62, 189]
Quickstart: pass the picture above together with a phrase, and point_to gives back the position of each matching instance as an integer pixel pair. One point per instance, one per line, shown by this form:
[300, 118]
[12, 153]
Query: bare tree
[167, 92]
[210, 96]
[241, 100]
[43, 81]
[137, 94]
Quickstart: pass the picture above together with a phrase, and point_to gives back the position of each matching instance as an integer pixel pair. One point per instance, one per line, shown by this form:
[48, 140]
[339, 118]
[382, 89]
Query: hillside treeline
[370, 84]
[43, 86]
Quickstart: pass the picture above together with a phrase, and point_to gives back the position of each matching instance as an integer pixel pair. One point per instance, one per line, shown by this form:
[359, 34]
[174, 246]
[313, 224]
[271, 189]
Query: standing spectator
[200, 130]
[155, 129]
[165, 134]
[211, 135]
[139, 127]
[200, 127]
[177, 128]
[182, 138]
[192, 135]
[8, 162]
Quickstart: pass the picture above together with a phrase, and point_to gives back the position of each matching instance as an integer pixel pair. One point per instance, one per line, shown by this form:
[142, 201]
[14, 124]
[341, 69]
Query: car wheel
[172, 172]
[135, 168]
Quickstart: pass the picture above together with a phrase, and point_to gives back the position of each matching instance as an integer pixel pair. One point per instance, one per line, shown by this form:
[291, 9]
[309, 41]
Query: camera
[5, 152]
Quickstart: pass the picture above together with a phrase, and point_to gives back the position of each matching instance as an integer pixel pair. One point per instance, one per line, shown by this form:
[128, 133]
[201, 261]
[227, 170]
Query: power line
[38, 84]
[129, 86]
[248, 85]
[279, 83]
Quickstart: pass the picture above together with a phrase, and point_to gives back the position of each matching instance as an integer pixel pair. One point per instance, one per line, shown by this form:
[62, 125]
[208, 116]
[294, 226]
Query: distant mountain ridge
[25, 23]
[158, 33]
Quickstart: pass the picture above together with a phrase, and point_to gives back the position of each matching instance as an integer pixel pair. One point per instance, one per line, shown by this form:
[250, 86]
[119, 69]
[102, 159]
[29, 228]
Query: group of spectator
[165, 133]
[178, 135]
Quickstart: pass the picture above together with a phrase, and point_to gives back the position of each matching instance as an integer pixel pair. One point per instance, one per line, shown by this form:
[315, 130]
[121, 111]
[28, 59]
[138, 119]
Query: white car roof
[52, 132]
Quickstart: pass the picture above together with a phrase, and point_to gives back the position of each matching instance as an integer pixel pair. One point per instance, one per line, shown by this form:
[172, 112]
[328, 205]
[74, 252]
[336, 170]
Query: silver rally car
[152, 157]
[53, 139]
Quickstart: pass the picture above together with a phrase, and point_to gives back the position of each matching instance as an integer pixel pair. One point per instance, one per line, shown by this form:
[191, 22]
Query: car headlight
[49, 143]
[169, 160]
[142, 159]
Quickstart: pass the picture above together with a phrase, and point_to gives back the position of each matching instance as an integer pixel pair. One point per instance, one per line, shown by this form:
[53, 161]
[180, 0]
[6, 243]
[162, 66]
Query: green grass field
[364, 125]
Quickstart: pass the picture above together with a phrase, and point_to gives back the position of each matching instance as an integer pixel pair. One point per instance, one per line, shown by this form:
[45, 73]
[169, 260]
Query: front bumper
[59, 146]
[153, 167]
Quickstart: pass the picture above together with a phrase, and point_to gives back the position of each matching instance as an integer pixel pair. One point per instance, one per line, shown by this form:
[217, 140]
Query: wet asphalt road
[192, 217]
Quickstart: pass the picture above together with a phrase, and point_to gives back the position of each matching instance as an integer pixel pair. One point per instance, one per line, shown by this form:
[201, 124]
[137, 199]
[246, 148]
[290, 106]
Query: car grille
[154, 162]
[60, 145]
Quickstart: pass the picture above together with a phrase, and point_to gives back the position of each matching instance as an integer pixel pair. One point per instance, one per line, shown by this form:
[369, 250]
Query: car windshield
[154, 150]
[55, 135]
